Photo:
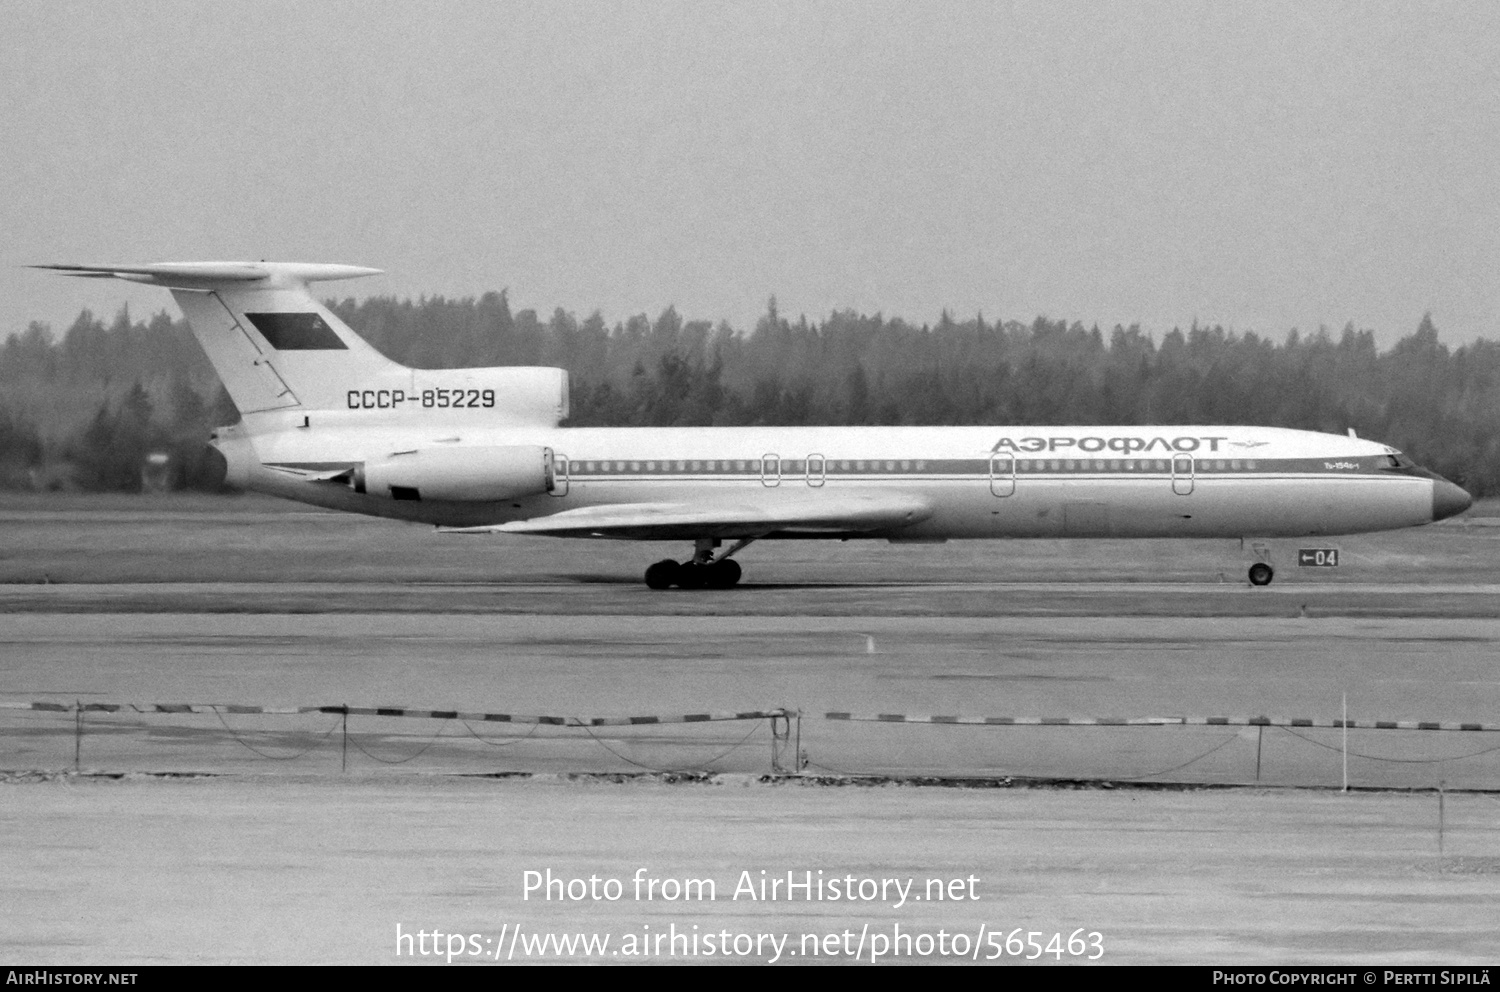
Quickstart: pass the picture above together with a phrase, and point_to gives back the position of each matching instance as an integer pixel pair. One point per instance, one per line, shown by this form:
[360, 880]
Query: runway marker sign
[1318, 557]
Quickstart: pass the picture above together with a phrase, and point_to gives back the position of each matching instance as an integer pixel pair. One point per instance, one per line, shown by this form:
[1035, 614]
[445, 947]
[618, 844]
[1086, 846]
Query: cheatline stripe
[1158, 721]
[557, 721]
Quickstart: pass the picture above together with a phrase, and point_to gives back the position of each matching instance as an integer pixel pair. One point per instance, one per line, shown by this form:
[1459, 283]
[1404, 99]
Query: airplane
[328, 420]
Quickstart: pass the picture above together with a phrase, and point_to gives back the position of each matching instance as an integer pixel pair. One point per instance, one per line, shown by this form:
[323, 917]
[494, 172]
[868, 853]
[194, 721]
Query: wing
[314, 472]
[671, 521]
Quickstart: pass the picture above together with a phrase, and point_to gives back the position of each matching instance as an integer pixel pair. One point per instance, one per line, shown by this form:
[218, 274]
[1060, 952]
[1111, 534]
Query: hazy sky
[1260, 165]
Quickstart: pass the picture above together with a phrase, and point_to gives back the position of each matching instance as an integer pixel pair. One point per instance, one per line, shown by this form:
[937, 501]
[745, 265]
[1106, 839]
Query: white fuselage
[980, 482]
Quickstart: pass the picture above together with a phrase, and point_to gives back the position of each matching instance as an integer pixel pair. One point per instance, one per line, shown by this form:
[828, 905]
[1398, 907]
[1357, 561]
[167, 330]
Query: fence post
[1345, 723]
[778, 737]
[1440, 817]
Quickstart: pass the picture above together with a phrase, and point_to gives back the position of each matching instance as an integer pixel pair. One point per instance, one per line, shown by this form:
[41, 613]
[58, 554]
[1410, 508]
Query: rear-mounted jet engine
[463, 474]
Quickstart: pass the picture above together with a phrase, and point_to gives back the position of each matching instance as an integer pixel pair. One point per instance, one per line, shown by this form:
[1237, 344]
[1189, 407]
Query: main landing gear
[702, 571]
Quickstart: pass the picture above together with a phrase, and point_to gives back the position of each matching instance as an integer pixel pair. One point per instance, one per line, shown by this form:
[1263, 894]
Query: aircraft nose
[1448, 500]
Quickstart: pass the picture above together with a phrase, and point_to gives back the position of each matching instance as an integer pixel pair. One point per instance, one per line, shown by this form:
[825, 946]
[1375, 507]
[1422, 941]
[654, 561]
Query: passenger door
[1002, 475]
[1182, 474]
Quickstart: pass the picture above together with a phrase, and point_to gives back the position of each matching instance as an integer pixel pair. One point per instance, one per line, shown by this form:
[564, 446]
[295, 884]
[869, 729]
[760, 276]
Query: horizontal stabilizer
[186, 275]
[670, 521]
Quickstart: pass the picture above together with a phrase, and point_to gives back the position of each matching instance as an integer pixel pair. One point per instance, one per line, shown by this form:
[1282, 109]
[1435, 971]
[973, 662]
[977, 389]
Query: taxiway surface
[326, 871]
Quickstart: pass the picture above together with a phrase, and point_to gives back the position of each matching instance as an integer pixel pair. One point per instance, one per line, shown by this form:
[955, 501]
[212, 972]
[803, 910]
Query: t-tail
[277, 349]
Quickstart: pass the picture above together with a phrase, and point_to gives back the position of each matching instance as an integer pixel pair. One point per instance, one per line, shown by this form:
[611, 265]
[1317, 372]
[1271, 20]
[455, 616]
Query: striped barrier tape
[1158, 721]
[556, 721]
[404, 711]
[153, 708]
[48, 707]
[635, 721]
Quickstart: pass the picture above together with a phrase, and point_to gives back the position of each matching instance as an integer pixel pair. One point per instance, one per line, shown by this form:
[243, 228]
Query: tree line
[81, 409]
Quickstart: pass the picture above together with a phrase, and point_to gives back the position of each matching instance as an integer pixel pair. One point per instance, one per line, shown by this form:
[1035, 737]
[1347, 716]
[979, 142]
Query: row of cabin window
[752, 465]
[797, 466]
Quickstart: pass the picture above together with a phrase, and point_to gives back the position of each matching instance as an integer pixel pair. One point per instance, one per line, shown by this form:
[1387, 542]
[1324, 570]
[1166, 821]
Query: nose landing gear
[702, 571]
[1261, 574]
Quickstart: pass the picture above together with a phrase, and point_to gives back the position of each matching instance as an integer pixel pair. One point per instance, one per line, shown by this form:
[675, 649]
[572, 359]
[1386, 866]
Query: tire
[663, 575]
[723, 574]
[690, 576]
[1261, 574]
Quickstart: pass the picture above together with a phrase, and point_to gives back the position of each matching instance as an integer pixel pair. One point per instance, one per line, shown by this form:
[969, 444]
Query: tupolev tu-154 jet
[327, 420]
